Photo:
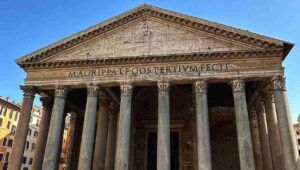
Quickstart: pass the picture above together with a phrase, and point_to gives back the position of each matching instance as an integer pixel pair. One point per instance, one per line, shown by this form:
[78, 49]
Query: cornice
[208, 56]
[146, 10]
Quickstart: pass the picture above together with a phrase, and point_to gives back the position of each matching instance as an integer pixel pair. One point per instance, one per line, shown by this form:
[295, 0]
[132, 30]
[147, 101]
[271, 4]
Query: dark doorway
[152, 147]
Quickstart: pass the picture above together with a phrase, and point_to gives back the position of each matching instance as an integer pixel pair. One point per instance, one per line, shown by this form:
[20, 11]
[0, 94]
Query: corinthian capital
[46, 101]
[29, 91]
[103, 98]
[61, 91]
[238, 85]
[201, 86]
[92, 90]
[163, 87]
[126, 89]
[278, 83]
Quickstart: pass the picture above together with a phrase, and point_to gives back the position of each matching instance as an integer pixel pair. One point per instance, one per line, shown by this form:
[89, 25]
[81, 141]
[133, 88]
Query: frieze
[148, 70]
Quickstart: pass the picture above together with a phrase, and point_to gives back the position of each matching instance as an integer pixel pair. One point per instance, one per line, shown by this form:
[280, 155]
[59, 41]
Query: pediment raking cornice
[150, 11]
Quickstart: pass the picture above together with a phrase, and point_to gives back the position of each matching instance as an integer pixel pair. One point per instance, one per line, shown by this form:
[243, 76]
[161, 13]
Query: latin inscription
[156, 70]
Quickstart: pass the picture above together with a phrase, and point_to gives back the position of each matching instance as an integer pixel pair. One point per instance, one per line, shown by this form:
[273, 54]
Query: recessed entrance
[152, 153]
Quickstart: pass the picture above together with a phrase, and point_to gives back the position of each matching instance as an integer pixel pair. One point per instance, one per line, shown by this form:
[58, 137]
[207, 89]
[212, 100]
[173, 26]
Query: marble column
[70, 140]
[88, 131]
[163, 128]
[16, 157]
[264, 137]
[287, 137]
[101, 134]
[111, 139]
[255, 138]
[242, 123]
[123, 134]
[273, 130]
[53, 146]
[43, 133]
[203, 136]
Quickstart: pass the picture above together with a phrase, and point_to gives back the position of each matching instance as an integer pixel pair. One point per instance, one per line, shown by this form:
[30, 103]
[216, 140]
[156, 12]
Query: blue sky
[26, 26]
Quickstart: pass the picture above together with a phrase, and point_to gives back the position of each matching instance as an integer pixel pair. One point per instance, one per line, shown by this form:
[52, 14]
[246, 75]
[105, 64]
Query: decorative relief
[278, 83]
[126, 89]
[163, 87]
[92, 90]
[201, 86]
[61, 91]
[29, 91]
[238, 85]
[144, 38]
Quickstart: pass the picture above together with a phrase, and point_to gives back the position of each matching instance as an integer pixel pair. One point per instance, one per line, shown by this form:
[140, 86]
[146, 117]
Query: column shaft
[264, 137]
[53, 146]
[203, 136]
[70, 140]
[287, 137]
[111, 141]
[101, 136]
[123, 135]
[88, 131]
[43, 133]
[255, 139]
[16, 157]
[163, 129]
[274, 137]
[242, 123]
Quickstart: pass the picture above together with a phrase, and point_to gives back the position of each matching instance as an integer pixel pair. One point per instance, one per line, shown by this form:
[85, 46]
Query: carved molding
[92, 90]
[278, 83]
[126, 89]
[146, 11]
[225, 55]
[61, 91]
[29, 91]
[238, 85]
[201, 86]
[163, 87]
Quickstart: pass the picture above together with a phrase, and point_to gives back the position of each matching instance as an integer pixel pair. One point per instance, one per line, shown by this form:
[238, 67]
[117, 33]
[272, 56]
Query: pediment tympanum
[147, 37]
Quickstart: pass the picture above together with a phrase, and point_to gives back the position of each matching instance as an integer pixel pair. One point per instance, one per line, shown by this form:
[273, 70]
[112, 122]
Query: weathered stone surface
[123, 134]
[264, 137]
[87, 139]
[148, 37]
[101, 134]
[274, 135]
[43, 133]
[243, 128]
[52, 152]
[18, 146]
[203, 137]
[163, 128]
[287, 137]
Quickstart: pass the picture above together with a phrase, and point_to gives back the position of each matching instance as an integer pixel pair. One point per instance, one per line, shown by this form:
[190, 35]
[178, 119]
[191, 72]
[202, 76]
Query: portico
[153, 88]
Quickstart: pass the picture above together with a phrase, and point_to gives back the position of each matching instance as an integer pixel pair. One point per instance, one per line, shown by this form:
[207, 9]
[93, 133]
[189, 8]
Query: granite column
[287, 137]
[101, 134]
[43, 133]
[89, 123]
[16, 157]
[203, 136]
[163, 129]
[123, 135]
[242, 123]
[53, 146]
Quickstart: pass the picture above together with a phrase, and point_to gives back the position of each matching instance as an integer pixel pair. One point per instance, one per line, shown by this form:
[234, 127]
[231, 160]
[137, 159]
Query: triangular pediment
[148, 37]
[152, 31]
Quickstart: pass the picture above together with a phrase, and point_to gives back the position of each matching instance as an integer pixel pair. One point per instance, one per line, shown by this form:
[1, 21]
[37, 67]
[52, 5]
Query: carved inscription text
[148, 70]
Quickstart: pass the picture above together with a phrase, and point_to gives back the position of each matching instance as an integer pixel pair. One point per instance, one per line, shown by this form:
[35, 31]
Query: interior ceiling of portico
[148, 36]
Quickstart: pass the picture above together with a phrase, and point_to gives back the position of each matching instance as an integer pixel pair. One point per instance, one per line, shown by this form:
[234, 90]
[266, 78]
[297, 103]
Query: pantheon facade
[155, 89]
